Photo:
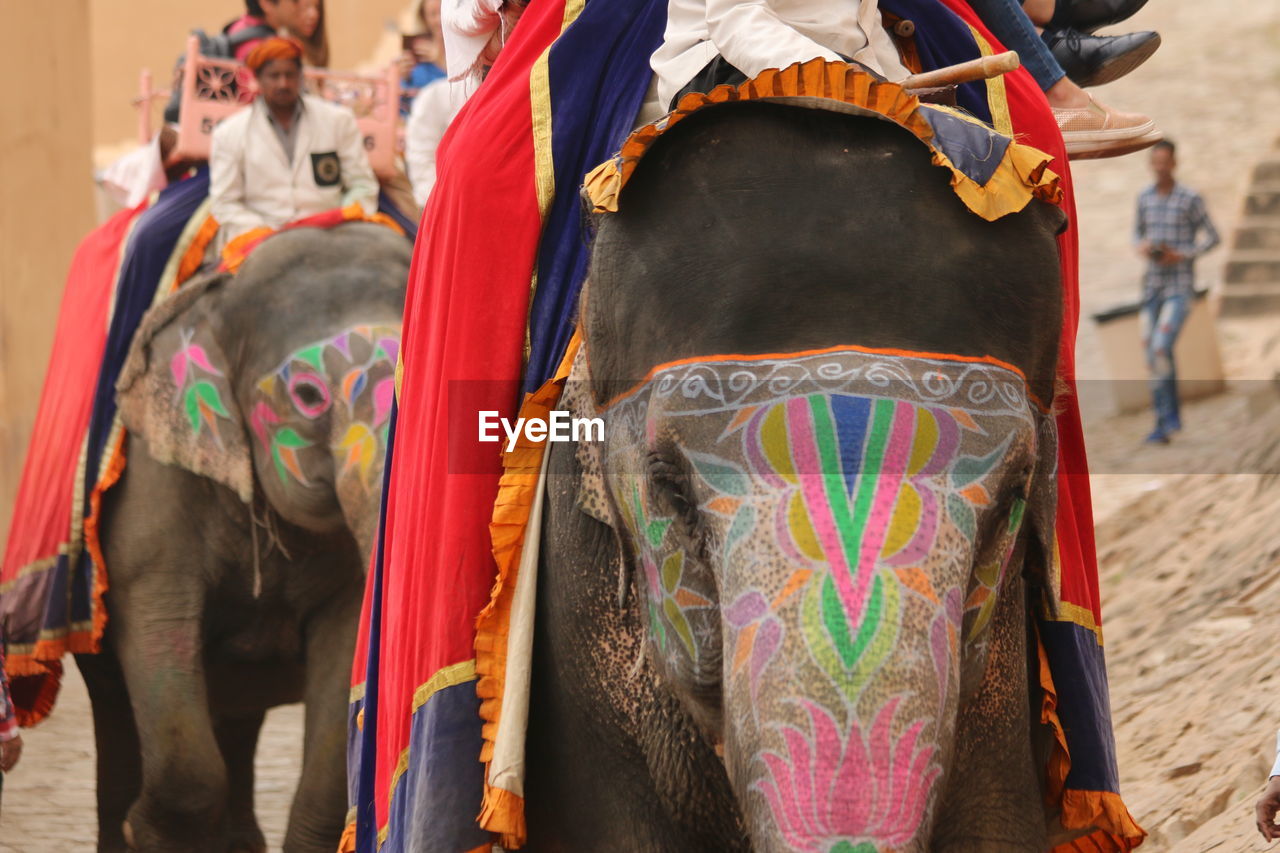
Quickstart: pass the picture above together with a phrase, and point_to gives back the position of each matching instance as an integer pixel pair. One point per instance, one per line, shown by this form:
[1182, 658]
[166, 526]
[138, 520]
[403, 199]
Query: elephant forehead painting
[354, 370]
[842, 524]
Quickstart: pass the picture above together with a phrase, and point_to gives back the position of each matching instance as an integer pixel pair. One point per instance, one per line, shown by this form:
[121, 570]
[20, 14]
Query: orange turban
[275, 47]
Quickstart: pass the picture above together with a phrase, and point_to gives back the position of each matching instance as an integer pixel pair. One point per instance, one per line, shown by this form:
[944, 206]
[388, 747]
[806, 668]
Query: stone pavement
[48, 800]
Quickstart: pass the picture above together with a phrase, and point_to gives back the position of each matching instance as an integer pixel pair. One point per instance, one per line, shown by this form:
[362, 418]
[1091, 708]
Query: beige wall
[46, 203]
[130, 34]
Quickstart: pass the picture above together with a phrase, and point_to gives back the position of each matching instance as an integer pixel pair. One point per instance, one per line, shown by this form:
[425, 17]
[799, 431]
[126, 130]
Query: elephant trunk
[840, 713]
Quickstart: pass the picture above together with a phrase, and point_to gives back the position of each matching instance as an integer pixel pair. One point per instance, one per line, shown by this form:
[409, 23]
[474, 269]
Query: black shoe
[1088, 16]
[1095, 60]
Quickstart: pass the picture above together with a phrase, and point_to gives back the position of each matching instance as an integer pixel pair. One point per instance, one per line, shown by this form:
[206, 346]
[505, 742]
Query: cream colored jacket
[252, 183]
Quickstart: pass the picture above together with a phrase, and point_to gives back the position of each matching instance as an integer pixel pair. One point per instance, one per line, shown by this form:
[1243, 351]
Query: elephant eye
[672, 490]
[309, 394]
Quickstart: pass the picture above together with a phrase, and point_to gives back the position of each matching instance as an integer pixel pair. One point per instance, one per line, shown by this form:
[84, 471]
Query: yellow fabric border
[997, 97]
[1023, 174]
[449, 676]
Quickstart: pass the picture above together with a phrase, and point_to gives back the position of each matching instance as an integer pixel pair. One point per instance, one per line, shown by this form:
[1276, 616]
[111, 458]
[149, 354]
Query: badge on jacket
[326, 168]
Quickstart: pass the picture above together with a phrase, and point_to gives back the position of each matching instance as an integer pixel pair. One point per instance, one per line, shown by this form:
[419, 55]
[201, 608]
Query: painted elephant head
[828, 479]
[281, 378]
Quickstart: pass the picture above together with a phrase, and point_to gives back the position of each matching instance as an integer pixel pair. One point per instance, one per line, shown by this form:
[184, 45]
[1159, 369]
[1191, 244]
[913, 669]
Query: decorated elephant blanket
[439, 685]
[53, 576]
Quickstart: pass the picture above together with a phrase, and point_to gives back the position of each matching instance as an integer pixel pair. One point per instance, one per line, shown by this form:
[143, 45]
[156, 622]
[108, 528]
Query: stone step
[1263, 199]
[1258, 232]
[1239, 300]
[1267, 170]
[1252, 266]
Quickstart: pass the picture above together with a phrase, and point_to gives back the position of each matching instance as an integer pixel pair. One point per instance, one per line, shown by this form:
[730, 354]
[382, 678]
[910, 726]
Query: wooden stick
[983, 68]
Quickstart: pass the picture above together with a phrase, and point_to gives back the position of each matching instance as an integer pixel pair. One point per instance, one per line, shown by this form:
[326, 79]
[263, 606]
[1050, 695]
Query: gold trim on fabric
[449, 676]
[356, 694]
[30, 569]
[997, 96]
[544, 171]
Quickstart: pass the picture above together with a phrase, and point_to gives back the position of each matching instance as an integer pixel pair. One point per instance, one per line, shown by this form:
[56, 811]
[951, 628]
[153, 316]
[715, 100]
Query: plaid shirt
[8, 722]
[1174, 221]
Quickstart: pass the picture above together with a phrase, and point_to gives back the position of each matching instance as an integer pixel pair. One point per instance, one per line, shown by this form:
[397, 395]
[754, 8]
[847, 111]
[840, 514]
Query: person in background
[309, 28]
[10, 740]
[1171, 230]
[287, 155]
[1089, 128]
[434, 107]
[1269, 803]
[422, 60]
[275, 15]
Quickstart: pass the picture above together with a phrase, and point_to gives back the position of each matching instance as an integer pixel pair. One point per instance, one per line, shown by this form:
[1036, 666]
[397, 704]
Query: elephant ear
[1042, 512]
[593, 498]
[175, 390]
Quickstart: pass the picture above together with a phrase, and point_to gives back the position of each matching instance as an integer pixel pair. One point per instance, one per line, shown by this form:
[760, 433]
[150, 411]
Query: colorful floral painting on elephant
[848, 489]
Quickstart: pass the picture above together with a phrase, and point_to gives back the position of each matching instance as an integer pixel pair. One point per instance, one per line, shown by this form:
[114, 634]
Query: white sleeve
[1275, 768]
[358, 182]
[226, 183]
[467, 25]
[751, 37]
[428, 119]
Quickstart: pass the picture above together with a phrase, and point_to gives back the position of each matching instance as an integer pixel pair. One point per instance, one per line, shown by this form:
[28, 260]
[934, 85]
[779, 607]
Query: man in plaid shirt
[1172, 230]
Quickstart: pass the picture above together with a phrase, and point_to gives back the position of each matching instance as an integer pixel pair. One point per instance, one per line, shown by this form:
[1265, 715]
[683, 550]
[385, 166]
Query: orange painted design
[976, 494]
[980, 595]
[724, 505]
[685, 598]
[795, 582]
[916, 579]
[965, 419]
[742, 650]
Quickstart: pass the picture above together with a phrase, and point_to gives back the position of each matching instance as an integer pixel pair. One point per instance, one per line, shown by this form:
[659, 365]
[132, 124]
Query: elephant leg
[184, 779]
[238, 742]
[119, 764]
[320, 803]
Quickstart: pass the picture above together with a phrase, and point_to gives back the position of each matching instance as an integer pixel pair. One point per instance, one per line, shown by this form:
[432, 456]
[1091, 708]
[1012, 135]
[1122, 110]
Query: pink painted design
[261, 419]
[836, 791]
[384, 394]
[310, 410]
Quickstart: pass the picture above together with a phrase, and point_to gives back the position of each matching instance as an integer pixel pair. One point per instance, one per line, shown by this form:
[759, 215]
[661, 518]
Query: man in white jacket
[287, 155]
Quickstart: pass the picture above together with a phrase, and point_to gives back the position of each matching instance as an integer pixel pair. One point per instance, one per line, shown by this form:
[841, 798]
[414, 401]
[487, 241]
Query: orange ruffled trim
[1022, 175]
[238, 249]
[502, 811]
[1117, 831]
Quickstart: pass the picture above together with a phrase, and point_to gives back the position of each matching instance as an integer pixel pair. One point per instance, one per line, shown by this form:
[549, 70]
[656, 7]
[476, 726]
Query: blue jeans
[1010, 24]
[1162, 318]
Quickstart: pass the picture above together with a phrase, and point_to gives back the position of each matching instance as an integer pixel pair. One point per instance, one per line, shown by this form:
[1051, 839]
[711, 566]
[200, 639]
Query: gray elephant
[827, 484]
[236, 542]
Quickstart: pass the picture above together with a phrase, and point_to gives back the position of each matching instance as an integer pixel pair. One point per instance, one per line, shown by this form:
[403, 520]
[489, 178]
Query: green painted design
[874, 642]
[203, 393]
[288, 437]
[963, 516]
[312, 355]
[720, 475]
[848, 847]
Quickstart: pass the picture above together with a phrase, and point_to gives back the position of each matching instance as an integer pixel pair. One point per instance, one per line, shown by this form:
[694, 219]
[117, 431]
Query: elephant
[256, 409]
[784, 604]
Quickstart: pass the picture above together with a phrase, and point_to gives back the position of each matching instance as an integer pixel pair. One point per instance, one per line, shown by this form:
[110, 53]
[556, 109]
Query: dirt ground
[1188, 539]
